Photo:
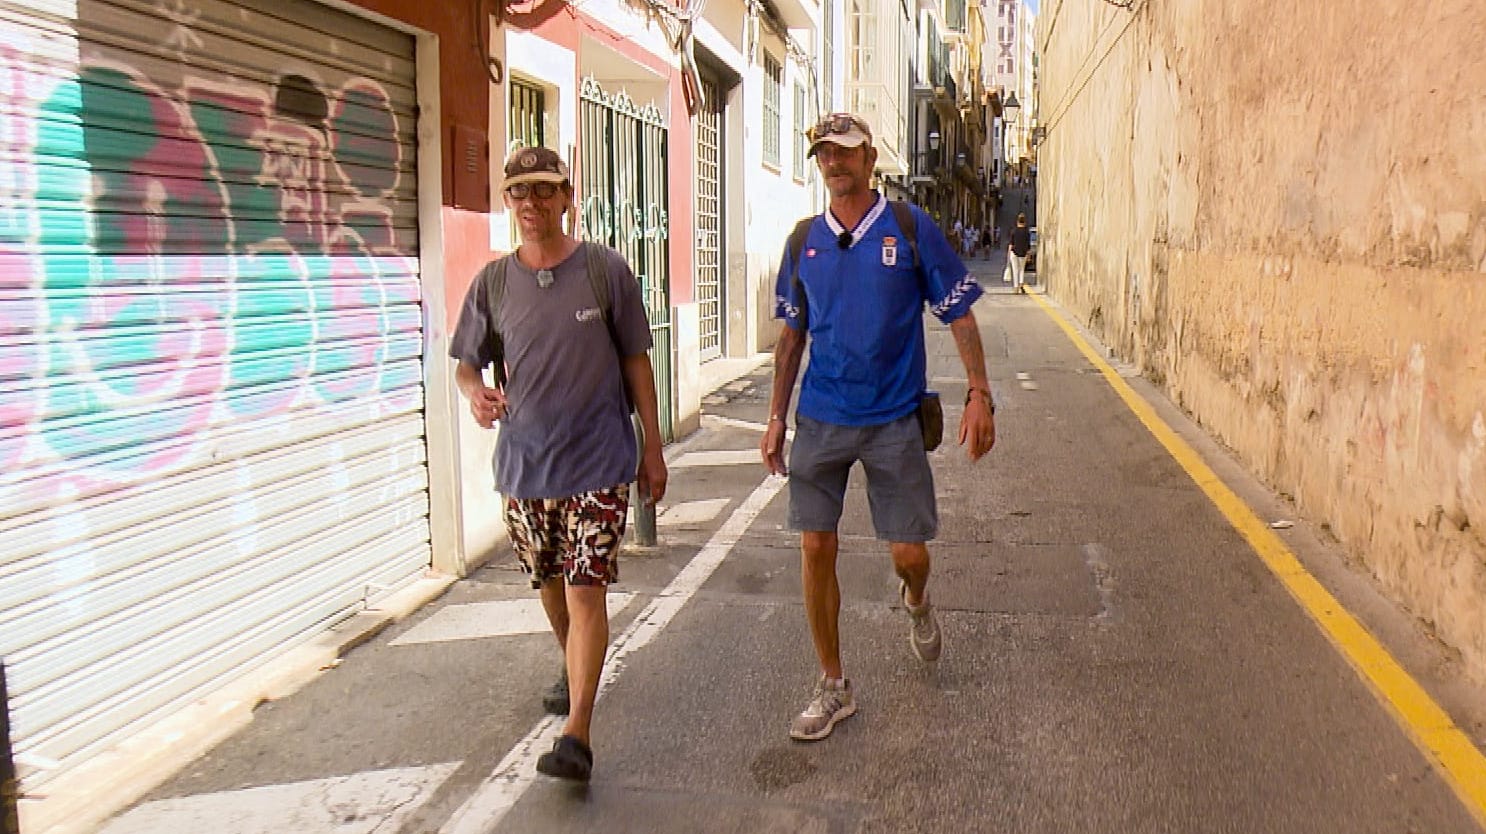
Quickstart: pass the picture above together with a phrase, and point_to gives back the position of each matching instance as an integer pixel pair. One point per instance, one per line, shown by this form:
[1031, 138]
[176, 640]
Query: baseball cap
[534, 165]
[845, 129]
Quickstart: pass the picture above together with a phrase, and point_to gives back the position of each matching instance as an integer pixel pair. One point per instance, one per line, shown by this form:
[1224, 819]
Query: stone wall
[1277, 211]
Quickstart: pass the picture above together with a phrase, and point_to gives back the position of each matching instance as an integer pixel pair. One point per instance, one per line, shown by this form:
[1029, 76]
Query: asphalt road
[1116, 660]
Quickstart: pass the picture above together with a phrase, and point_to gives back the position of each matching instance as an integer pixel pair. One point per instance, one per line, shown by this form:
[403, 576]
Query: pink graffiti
[271, 226]
[20, 357]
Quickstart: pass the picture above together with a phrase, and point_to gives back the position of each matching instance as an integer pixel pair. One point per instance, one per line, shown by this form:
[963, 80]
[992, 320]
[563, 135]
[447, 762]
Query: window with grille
[828, 54]
[863, 64]
[773, 84]
[528, 115]
[799, 133]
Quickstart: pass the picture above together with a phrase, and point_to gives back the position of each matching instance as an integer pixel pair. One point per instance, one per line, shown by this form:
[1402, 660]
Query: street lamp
[1008, 115]
[930, 154]
[1010, 108]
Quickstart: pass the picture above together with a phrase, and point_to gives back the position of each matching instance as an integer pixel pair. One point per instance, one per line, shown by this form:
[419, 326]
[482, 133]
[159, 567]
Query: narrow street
[1117, 659]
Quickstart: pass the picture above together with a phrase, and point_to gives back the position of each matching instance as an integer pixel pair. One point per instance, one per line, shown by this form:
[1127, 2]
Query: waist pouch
[931, 419]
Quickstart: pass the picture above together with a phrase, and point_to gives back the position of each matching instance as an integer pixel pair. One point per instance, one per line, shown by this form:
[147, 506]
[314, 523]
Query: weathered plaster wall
[1278, 211]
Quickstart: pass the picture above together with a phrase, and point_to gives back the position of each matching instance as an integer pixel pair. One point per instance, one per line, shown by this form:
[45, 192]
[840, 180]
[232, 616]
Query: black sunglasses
[835, 125]
[522, 190]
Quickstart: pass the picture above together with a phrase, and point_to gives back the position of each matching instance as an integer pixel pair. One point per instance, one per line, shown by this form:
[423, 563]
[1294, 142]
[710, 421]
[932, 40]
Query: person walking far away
[853, 282]
[563, 324]
[1018, 246]
[972, 240]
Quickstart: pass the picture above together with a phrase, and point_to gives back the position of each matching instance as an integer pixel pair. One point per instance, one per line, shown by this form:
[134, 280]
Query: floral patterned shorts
[576, 537]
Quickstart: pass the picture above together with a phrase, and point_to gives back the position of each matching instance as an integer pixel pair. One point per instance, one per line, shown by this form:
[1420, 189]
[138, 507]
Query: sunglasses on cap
[835, 125]
[542, 190]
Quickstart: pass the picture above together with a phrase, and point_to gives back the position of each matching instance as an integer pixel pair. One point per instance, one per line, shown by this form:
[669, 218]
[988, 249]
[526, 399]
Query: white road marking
[500, 791]
[502, 618]
[360, 803]
[722, 457]
[691, 512]
[712, 421]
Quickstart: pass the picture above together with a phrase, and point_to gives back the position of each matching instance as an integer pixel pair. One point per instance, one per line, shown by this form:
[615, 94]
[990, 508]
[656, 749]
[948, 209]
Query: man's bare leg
[555, 603]
[822, 597]
[911, 561]
[587, 642]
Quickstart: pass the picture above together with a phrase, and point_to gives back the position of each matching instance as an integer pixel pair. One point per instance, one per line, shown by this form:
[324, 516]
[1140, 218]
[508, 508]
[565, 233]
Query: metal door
[622, 203]
[211, 354]
[711, 300]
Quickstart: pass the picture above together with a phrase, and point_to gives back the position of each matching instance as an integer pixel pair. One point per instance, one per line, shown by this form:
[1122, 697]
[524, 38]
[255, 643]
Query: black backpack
[907, 222]
[494, 276]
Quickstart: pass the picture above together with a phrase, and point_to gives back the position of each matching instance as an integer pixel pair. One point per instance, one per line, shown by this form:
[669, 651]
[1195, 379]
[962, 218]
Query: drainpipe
[9, 821]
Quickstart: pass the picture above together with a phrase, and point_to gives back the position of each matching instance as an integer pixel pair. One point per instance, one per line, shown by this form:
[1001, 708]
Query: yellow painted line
[1454, 755]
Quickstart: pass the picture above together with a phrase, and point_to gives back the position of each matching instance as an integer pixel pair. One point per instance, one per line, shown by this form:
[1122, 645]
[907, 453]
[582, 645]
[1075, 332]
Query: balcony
[954, 15]
[879, 105]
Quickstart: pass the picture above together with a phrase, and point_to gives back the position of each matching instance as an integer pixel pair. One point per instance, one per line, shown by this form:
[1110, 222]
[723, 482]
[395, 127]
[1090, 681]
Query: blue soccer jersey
[865, 313]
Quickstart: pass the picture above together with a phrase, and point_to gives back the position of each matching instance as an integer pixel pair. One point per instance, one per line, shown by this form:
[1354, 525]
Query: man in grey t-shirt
[566, 451]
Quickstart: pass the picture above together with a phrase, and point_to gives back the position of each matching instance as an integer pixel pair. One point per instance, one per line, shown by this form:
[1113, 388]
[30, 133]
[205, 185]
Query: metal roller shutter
[211, 428]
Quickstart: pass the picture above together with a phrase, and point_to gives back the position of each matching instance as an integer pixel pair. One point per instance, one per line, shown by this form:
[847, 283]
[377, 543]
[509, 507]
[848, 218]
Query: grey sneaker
[923, 630]
[828, 706]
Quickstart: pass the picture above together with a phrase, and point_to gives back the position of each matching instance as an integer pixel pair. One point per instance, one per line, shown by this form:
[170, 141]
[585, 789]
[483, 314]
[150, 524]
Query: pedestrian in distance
[562, 323]
[1017, 247]
[853, 284]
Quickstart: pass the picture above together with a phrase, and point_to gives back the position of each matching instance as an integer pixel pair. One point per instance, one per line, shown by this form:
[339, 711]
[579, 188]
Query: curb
[92, 793]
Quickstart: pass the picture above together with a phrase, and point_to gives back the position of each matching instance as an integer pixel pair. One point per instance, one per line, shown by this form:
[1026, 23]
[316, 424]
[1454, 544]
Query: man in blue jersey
[856, 291]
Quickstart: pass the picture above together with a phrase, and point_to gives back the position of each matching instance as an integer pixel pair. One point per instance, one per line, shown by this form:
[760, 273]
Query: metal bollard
[10, 822]
[644, 511]
[644, 519]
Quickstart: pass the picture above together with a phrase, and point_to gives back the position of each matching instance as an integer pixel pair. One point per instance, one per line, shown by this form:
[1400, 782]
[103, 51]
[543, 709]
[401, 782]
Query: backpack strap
[908, 223]
[598, 279]
[494, 276]
[796, 250]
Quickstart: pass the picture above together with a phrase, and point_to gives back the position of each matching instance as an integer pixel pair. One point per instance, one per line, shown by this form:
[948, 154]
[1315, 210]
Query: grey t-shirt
[567, 429]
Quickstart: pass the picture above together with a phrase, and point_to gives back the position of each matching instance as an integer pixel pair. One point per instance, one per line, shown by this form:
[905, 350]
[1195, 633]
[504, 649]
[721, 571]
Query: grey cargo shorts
[900, 484]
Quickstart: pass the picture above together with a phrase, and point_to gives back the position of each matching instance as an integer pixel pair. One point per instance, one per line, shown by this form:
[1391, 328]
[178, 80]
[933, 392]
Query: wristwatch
[973, 390]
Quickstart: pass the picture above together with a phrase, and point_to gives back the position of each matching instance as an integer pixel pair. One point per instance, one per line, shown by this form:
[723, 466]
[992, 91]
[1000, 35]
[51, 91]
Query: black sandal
[569, 758]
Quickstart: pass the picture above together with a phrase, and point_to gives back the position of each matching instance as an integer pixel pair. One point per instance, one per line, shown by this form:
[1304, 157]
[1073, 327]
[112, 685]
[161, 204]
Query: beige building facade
[1278, 213]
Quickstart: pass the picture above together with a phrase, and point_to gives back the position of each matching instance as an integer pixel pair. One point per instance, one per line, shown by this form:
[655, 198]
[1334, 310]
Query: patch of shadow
[750, 583]
[779, 767]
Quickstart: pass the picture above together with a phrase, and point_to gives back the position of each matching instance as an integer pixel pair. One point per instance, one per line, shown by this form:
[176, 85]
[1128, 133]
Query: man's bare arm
[788, 352]
[639, 378]
[978, 424]
[486, 404]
